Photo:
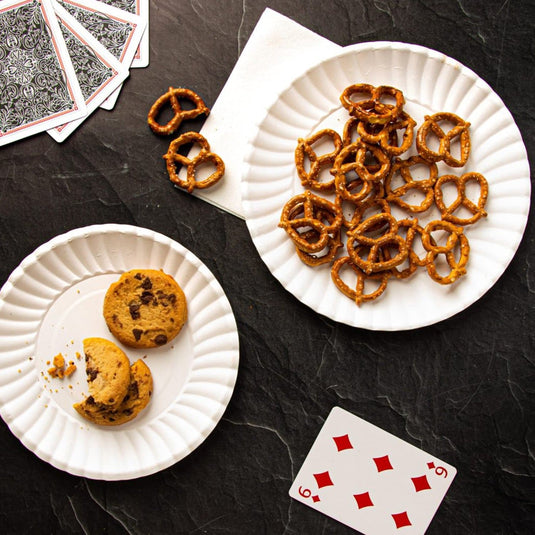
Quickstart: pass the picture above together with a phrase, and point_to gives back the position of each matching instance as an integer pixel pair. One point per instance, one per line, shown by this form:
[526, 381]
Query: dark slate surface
[462, 390]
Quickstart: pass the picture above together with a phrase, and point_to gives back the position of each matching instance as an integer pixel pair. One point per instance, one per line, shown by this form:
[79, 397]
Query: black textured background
[463, 389]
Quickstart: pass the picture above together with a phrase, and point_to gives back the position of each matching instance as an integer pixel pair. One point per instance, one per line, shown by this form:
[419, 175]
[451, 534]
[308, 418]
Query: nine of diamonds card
[371, 480]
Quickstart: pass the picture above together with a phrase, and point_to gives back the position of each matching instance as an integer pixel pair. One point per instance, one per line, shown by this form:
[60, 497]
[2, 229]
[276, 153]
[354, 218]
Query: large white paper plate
[53, 300]
[431, 82]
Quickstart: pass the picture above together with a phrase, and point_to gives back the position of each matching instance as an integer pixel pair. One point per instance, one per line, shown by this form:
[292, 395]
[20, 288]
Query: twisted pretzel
[358, 294]
[403, 168]
[414, 261]
[370, 108]
[456, 236]
[328, 254]
[356, 158]
[172, 97]
[459, 130]
[306, 212]
[174, 159]
[304, 149]
[477, 210]
[359, 240]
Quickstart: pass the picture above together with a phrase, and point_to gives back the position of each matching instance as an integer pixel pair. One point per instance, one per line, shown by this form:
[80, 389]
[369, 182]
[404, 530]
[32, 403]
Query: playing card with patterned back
[99, 73]
[371, 480]
[141, 8]
[118, 30]
[38, 85]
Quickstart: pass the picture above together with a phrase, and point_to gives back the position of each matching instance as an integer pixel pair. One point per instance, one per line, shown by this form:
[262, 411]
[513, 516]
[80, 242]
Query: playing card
[141, 8]
[371, 480]
[119, 31]
[38, 85]
[99, 73]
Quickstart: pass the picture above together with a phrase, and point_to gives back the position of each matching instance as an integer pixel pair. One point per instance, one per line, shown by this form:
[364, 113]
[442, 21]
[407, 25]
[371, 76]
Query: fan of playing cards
[60, 60]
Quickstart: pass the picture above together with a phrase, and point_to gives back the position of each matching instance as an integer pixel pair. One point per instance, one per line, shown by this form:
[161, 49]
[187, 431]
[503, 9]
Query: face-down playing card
[118, 30]
[371, 480]
[99, 73]
[141, 8]
[38, 85]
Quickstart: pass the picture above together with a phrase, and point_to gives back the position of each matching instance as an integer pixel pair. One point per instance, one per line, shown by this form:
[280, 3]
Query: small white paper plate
[431, 82]
[53, 300]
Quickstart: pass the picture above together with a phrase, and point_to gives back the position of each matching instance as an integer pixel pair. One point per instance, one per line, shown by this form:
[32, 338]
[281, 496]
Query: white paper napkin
[277, 52]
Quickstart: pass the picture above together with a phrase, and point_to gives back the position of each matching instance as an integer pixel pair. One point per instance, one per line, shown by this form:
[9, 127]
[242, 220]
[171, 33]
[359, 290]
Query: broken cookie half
[113, 400]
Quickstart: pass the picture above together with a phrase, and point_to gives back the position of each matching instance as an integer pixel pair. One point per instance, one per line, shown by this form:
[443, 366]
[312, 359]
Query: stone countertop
[462, 390]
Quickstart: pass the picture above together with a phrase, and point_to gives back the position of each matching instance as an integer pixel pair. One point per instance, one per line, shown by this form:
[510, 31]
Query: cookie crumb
[58, 370]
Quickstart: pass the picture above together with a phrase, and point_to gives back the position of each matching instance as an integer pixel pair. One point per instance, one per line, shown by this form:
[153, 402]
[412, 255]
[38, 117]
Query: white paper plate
[431, 82]
[53, 300]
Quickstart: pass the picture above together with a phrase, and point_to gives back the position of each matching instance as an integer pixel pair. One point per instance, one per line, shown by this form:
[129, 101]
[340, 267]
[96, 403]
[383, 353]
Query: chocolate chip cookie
[108, 371]
[145, 308]
[137, 397]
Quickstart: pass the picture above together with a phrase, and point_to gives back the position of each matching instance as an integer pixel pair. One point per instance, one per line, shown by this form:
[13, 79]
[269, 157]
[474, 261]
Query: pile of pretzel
[364, 171]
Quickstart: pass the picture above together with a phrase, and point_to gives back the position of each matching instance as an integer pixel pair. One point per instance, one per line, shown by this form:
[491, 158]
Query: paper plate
[53, 300]
[431, 82]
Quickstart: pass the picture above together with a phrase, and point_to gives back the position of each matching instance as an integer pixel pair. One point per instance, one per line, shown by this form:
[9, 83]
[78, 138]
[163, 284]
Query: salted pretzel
[396, 194]
[370, 108]
[174, 160]
[476, 209]
[311, 178]
[173, 97]
[358, 294]
[413, 260]
[360, 241]
[355, 158]
[388, 139]
[456, 237]
[460, 130]
[306, 212]
[327, 255]
[360, 213]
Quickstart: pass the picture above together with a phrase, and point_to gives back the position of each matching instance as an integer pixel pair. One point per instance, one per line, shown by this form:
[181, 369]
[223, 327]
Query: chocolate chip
[138, 276]
[172, 298]
[161, 339]
[146, 284]
[91, 374]
[146, 297]
[90, 400]
[137, 333]
[133, 308]
[111, 400]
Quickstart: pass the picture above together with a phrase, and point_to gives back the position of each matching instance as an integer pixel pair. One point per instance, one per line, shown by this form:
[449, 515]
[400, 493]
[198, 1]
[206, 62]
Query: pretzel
[355, 158]
[358, 294]
[456, 237]
[425, 186]
[174, 159]
[327, 255]
[305, 212]
[359, 240]
[370, 108]
[477, 210]
[304, 149]
[414, 260]
[172, 96]
[388, 138]
[375, 202]
[459, 130]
